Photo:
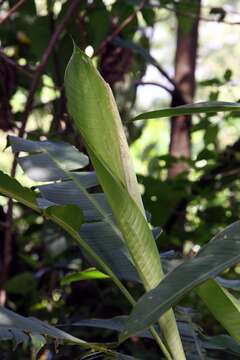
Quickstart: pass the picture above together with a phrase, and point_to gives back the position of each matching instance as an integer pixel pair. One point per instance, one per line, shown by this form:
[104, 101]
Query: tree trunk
[185, 64]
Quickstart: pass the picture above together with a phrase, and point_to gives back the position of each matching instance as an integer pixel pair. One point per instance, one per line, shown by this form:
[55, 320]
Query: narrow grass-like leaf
[223, 305]
[205, 107]
[220, 253]
[93, 108]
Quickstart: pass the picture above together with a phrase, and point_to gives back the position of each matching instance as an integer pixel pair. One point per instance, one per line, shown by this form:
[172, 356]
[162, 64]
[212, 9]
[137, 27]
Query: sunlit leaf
[89, 274]
[197, 108]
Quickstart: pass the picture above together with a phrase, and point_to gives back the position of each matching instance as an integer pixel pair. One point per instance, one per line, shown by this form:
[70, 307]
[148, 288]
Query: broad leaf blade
[58, 214]
[68, 214]
[197, 108]
[102, 236]
[220, 253]
[40, 166]
[223, 305]
[67, 192]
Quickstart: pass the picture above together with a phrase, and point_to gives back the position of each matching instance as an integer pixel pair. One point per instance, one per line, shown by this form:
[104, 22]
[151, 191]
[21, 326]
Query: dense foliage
[79, 246]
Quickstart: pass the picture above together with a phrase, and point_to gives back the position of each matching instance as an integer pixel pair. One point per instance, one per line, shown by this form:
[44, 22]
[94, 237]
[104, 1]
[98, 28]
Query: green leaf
[42, 165]
[93, 108]
[100, 238]
[11, 188]
[220, 253]
[117, 323]
[38, 341]
[21, 284]
[197, 108]
[19, 328]
[69, 214]
[89, 274]
[223, 305]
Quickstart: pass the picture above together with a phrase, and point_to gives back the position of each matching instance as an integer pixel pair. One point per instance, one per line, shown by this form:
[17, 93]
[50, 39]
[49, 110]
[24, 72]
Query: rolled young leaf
[94, 111]
[205, 107]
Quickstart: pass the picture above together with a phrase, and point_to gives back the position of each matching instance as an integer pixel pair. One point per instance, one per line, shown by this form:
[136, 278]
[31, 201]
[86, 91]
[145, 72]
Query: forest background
[154, 54]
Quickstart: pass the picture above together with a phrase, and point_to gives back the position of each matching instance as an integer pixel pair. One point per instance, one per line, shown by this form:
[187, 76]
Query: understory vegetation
[98, 260]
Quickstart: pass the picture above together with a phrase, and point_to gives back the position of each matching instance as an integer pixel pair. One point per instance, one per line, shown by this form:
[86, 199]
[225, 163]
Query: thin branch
[201, 18]
[153, 83]
[11, 11]
[121, 27]
[14, 64]
[41, 67]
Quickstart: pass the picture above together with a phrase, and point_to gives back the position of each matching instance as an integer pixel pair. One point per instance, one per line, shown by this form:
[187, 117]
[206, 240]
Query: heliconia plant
[112, 226]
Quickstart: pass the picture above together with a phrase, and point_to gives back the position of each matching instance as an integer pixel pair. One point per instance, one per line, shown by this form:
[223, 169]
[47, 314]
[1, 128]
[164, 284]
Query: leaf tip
[123, 336]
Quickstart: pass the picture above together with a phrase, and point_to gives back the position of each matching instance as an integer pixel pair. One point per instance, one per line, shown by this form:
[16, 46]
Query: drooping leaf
[63, 201]
[220, 253]
[19, 328]
[117, 323]
[11, 188]
[93, 108]
[58, 214]
[223, 305]
[197, 108]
